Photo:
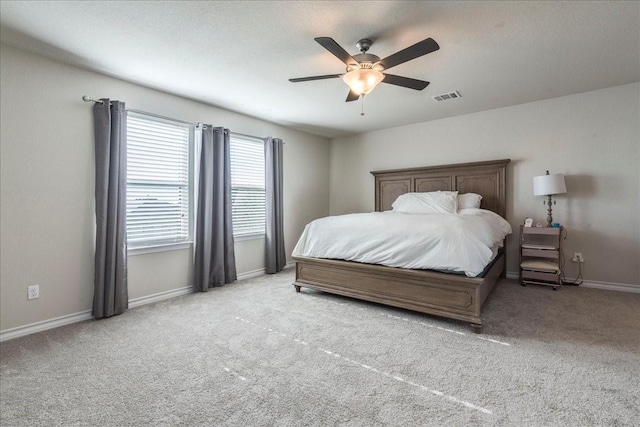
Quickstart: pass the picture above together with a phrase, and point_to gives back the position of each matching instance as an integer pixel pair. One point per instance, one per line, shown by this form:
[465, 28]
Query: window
[247, 186]
[157, 181]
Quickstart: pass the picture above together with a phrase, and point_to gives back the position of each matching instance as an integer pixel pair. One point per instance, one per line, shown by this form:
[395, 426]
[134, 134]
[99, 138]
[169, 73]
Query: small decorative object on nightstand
[540, 255]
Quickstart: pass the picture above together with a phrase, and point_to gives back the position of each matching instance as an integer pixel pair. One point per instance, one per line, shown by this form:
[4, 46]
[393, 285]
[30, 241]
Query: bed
[447, 295]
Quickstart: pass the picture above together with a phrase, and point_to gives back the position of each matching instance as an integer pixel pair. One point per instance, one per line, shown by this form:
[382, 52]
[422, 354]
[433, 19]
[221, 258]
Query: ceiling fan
[365, 70]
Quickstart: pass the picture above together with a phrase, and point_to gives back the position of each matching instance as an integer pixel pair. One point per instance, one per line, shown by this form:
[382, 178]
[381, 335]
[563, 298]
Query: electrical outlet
[33, 292]
[577, 257]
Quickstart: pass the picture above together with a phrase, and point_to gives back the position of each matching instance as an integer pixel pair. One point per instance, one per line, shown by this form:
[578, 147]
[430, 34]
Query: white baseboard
[608, 286]
[33, 328]
[261, 271]
[621, 287]
[251, 274]
[44, 325]
[137, 302]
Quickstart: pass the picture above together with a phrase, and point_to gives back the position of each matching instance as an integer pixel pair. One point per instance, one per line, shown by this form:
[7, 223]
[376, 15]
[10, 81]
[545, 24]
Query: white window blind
[247, 186]
[157, 181]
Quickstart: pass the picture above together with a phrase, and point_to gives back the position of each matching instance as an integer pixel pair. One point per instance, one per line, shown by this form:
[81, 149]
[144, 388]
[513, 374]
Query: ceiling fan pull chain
[362, 105]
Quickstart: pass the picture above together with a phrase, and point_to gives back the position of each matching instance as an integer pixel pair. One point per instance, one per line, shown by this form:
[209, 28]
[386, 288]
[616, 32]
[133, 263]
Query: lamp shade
[545, 185]
[363, 80]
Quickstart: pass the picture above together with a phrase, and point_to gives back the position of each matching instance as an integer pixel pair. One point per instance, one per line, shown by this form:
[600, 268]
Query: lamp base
[549, 217]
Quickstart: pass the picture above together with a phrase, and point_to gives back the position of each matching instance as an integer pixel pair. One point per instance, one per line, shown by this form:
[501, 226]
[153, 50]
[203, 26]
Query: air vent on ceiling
[445, 96]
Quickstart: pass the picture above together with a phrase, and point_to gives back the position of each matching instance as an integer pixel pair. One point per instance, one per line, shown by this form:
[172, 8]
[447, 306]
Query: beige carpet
[255, 353]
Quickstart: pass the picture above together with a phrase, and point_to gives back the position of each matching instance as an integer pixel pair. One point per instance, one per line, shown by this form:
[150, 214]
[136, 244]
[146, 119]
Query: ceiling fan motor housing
[367, 60]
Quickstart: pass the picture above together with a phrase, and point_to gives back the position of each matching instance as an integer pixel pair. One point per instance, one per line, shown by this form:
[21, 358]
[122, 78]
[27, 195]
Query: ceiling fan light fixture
[363, 80]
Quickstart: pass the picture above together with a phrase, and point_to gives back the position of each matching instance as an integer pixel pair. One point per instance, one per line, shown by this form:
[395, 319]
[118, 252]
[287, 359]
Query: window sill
[248, 237]
[141, 250]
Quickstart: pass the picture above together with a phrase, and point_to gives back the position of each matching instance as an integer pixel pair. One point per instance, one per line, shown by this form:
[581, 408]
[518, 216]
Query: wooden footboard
[447, 295]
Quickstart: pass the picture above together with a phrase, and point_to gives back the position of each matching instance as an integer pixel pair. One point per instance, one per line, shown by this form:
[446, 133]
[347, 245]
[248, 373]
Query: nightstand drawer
[552, 231]
[539, 275]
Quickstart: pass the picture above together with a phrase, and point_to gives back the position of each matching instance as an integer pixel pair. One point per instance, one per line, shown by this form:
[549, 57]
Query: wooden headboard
[484, 178]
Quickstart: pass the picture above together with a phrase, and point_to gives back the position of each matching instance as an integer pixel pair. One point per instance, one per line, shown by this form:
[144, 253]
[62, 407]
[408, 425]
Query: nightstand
[540, 256]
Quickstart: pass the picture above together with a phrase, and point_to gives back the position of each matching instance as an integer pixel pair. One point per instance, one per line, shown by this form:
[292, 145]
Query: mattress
[464, 242]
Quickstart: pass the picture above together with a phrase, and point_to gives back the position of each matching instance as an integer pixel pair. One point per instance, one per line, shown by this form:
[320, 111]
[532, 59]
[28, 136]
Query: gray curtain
[275, 257]
[110, 296]
[215, 262]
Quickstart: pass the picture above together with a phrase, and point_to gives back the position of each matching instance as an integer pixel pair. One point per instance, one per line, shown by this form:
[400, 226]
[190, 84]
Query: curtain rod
[86, 98]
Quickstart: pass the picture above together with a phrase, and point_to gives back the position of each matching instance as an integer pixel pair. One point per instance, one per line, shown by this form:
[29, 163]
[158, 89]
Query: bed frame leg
[477, 329]
[297, 288]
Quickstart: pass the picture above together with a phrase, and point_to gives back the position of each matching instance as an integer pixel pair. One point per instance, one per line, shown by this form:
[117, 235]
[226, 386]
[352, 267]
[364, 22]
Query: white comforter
[463, 242]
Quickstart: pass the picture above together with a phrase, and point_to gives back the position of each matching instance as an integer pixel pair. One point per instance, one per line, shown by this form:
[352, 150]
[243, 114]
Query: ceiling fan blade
[405, 82]
[421, 48]
[337, 50]
[308, 79]
[352, 96]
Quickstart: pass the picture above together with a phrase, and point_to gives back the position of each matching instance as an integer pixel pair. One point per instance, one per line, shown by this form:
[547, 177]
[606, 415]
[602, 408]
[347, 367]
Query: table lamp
[548, 185]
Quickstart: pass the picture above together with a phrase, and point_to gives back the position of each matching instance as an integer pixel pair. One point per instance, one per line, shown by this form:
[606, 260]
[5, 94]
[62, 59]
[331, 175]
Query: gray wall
[593, 138]
[47, 186]
[46, 182]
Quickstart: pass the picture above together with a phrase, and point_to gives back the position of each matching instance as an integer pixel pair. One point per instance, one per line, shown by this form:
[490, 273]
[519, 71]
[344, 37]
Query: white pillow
[431, 202]
[469, 200]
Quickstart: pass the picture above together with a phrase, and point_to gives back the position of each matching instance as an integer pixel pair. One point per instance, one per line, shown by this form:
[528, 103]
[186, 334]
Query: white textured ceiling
[240, 55]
